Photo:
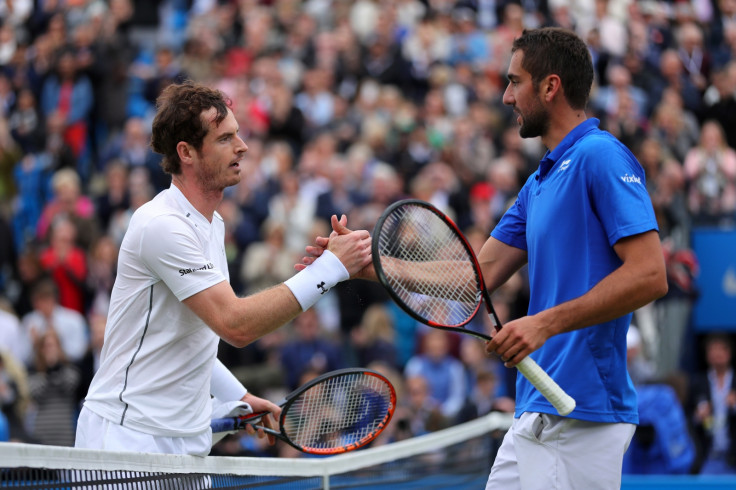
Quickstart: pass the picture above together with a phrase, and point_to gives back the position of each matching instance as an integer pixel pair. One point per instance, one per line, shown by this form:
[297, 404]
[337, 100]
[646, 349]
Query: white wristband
[224, 385]
[316, 279]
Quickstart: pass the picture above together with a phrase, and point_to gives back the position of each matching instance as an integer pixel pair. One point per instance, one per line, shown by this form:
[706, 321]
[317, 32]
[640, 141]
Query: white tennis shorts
[547, 452]
[95, 432]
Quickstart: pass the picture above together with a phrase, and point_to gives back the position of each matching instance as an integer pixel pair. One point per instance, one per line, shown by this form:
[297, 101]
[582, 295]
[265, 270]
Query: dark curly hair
[553, 50]
[178, 118]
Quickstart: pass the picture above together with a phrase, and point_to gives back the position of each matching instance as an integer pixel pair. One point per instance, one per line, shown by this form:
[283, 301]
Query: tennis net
[458, 457]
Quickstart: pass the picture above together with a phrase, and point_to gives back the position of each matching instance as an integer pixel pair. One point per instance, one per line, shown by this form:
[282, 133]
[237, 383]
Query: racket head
[338, 411]
[412, 238]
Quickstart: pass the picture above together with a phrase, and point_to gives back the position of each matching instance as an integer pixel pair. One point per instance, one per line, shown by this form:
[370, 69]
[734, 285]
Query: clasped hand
[353, 248]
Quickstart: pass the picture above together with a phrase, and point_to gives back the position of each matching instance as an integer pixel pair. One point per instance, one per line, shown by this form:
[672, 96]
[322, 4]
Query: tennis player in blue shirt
[584, 224]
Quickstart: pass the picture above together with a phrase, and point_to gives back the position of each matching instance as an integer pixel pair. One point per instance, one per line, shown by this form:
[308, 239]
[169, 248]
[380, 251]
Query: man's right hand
[353, 248]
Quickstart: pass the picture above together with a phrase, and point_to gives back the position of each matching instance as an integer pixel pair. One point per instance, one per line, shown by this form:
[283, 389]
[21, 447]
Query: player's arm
[499, 261]
[639, 280]
[240, 321]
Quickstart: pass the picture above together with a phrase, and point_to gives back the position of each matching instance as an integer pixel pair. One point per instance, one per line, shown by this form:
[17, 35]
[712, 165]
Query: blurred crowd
[346, 106]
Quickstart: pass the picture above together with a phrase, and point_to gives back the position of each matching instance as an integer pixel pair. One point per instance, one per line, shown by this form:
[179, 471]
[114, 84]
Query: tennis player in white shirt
[172, 301]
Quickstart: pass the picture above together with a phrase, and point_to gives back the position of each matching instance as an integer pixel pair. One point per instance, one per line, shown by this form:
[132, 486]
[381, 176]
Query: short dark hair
[719, 337]
[178, 118]
[553, 50]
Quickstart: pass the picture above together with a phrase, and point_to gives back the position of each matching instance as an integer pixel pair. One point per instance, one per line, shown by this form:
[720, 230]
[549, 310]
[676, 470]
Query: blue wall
[685, 482]
[715, 309]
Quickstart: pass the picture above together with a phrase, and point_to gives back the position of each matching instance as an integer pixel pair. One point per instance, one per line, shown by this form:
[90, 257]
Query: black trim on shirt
[132, 360]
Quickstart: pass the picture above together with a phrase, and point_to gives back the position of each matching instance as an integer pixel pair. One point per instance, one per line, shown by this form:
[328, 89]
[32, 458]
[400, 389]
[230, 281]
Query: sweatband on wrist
[224, 385]
[316, 279]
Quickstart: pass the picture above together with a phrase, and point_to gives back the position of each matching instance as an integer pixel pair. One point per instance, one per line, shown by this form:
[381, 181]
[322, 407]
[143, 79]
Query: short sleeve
[619, 195]
[511, 228]
[172, 251]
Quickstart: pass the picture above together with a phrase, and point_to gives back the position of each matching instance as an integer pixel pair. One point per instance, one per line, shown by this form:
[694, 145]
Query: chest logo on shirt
[207, 266]
[631, 179]
[564, 165]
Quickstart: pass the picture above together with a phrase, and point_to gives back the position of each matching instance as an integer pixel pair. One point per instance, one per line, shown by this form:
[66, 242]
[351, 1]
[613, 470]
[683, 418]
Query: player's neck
[562, 121]
[205, 202]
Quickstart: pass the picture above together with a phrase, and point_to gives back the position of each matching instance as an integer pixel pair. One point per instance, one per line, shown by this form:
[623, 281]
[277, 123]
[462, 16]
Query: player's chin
[233, 175]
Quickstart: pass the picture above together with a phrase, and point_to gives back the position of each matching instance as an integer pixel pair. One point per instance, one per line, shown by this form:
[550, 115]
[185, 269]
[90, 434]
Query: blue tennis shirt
[588, 193]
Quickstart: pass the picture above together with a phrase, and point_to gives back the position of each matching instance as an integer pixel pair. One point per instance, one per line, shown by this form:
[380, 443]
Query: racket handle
[229, 424]
[563, 402]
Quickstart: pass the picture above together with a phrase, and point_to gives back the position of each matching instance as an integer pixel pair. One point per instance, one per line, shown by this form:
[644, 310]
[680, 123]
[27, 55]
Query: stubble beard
[212, 180]
[535, 122]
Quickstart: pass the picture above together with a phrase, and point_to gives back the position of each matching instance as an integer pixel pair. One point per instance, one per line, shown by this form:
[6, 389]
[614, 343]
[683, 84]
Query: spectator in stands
[28, 273]
[418, 412]
[309, 349]
[165, 71]
[619, 90]
[140, 191]
[713, 408]
[31, 177]
[132, 147]
[343, 195]
[434, 362]
[720, 98]
[293, 210]
[70, 201]
[53, 386]
[114, 196]
[426, 44]
[68, 93]
[315, 100]
[488, 371]
[710, 170]
[14, 396]
[672, 75]
[26, 125]
[267, 262]
[48, 314]
[468, 43]
[11, 333]
[695, 58]
[675, 128]
[10, 153]
[102, 269]
[66, 264]
[287, 121]
[666, 187]
[373, 338]
[483, 400]
[383, 61]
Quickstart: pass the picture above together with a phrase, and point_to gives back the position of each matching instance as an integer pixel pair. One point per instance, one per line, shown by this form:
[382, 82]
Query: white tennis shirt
[158, 356]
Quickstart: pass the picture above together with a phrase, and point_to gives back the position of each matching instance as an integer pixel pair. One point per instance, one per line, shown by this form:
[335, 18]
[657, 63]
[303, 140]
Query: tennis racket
[429, 269]
[334, 413]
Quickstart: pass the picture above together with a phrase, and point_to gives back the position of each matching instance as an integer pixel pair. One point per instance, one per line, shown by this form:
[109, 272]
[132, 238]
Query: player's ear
[550, 87]
[184, 151]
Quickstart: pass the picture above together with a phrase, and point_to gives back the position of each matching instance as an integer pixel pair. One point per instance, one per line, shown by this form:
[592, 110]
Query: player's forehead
[515, 69]
[227, 125]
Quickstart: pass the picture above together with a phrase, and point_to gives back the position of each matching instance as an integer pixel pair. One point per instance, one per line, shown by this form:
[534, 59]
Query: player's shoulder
[601, 150]
[161, 214]
[597, 140]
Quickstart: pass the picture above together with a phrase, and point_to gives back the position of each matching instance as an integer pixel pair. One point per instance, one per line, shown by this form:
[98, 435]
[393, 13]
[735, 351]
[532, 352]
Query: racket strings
[420, 239]
[338, 412]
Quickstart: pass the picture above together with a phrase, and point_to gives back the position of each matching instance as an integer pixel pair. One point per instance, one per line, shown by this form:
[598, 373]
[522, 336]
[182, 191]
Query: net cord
[53, 457]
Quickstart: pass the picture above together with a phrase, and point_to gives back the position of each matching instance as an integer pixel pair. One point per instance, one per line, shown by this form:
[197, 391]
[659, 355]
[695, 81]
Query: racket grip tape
[563, 402]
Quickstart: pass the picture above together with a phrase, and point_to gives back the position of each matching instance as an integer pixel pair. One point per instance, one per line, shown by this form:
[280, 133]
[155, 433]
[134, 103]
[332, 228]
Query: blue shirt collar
[550, 157]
